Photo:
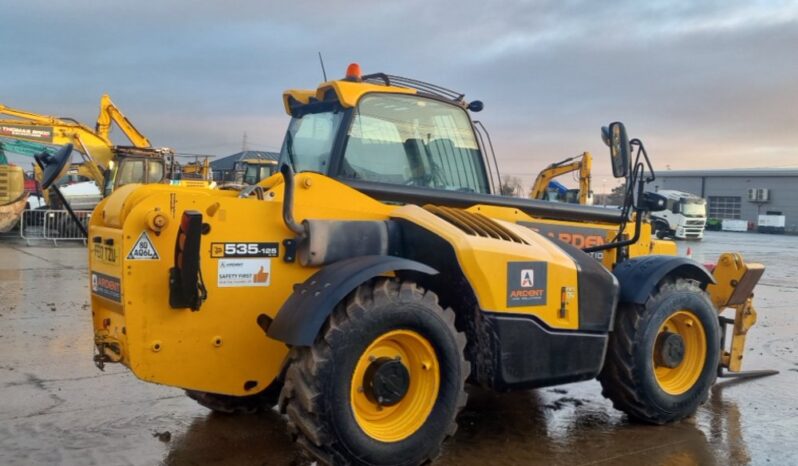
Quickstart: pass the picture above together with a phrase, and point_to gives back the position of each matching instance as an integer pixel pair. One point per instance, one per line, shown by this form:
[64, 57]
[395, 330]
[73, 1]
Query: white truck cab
[684, 218]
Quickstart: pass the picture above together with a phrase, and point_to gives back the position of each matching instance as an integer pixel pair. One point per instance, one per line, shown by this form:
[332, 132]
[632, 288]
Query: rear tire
[227, 404]
[330, 400]
[639, 377]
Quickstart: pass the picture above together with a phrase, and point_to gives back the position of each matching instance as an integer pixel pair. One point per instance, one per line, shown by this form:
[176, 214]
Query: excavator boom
[581, 163]
[109, 114]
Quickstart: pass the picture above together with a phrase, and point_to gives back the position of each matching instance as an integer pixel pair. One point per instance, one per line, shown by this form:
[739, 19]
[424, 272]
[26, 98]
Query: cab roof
[348, 91]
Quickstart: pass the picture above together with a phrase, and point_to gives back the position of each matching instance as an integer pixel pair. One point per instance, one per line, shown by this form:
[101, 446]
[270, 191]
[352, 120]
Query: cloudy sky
[705, 84]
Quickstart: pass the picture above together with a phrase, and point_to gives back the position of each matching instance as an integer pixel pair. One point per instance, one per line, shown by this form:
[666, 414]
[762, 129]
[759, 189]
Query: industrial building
[741, 194]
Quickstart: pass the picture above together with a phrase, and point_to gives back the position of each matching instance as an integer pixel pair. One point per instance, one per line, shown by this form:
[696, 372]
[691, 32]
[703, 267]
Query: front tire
[663, 356]
[383, 382]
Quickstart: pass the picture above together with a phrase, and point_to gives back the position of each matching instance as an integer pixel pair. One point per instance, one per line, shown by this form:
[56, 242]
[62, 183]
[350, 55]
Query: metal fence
[52, 225]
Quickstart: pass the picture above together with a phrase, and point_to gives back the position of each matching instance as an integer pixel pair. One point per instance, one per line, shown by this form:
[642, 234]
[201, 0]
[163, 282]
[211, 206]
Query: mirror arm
[641, 149]
[619, 244]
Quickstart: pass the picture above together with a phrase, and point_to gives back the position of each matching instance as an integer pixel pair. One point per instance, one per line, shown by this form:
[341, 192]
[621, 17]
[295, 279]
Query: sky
[710, 84]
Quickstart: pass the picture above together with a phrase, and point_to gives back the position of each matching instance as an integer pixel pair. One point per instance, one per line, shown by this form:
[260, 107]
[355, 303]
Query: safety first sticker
[244, 272]
[526, 283]
[143, 249]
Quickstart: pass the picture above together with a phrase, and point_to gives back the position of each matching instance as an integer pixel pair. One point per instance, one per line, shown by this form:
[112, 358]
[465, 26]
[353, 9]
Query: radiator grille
[475, 224]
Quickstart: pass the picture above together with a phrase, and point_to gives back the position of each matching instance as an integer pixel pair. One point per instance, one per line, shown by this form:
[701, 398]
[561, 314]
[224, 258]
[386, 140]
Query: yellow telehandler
[376, 275]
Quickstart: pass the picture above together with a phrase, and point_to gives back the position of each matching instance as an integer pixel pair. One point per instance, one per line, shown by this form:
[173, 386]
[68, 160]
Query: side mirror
[53, 166]
[654, 202]
[615, 137]
[476, 106]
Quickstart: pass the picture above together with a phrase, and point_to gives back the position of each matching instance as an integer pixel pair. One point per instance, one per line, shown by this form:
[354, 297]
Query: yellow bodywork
[182, 348]
[348, 93]
[583, 235]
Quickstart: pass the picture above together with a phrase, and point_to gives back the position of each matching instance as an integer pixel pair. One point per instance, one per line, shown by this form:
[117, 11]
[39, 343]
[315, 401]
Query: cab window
[154, 171]
[309, 141]
[130, 171]
[413, 141]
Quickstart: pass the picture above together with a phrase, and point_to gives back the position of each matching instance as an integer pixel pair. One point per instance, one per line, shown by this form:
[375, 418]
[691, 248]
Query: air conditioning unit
[758, 194]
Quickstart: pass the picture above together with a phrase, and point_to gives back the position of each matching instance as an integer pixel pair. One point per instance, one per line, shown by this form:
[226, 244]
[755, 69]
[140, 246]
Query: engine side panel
[507, 276]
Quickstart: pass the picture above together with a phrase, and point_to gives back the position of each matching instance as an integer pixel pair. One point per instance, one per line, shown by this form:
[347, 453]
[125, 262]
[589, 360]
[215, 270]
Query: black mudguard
[640, 276]
[302, 315]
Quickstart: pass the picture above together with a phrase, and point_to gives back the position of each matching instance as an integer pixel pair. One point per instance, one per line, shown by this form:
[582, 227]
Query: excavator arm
[581, 163]
[96, 154]
[109, 114]
[97, 150]
[29, 116]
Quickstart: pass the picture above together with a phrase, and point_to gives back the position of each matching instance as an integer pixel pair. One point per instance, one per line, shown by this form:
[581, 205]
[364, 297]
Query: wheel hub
[386, 381]
[669, 349]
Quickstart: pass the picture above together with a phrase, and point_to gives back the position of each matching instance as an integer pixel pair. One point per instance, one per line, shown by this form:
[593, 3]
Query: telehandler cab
[377, 275]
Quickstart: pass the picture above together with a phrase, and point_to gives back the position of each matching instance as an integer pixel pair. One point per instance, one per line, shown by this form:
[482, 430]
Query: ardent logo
[526, 283]
[527, 278]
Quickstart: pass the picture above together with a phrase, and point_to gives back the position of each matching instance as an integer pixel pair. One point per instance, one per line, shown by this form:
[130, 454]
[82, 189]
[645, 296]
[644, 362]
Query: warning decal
[244, 272]
[143, 249]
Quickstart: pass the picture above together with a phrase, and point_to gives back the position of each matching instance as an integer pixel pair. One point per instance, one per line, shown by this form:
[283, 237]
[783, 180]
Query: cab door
[138, 170]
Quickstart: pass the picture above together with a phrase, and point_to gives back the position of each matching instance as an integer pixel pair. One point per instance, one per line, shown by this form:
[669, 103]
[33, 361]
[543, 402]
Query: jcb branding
[244, 250]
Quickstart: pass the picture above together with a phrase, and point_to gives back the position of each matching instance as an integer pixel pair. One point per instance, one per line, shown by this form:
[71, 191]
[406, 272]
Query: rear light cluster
[186, 288]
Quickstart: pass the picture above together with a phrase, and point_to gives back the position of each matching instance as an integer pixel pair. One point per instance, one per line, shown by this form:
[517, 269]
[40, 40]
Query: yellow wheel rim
[679, 379]
[401, 420]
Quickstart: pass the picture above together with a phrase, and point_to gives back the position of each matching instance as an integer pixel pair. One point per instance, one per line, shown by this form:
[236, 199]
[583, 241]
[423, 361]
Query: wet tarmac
[57, 408]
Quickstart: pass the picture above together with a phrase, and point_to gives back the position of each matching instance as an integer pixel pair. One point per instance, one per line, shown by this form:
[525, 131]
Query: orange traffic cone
[689, 252]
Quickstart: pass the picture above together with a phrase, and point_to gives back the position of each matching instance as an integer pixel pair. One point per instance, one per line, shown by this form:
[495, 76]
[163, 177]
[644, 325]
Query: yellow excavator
[196, 170]
[110, 166]
[584, 195]
[13, 196]
[256, 170]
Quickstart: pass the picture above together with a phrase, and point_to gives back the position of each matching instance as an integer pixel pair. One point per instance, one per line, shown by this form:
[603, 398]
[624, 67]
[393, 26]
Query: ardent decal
[526, 283]
[243, 272]
[106, 286]
[578, 237]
